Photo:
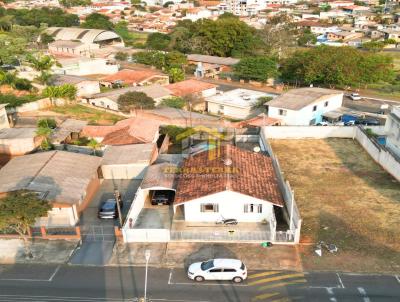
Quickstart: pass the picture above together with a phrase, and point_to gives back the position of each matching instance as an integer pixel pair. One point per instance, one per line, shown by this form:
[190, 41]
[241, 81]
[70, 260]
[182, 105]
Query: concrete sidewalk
[44, 251]
[181, 254]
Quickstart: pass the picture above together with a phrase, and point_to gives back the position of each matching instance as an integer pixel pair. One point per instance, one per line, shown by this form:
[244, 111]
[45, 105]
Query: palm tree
[66, 91]
[94, 144]
[43, 64]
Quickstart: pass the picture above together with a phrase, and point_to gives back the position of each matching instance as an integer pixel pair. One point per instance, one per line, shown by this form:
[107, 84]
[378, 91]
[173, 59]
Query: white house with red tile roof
[245, 186]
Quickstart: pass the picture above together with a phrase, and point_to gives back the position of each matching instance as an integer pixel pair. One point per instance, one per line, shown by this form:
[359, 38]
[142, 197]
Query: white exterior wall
[301, 132]
[128, 171]
[86, 88]
[209, 92]
[104, 103]
[58, 217]
[95, 66]
[231, 205]
[3, 119]
[304, 116]
[18, 146]
[392, 129]
[231, 111]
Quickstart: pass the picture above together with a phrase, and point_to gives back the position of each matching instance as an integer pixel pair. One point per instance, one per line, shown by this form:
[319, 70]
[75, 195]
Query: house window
[282, 112]
[209, 207]
[221, 107]
[252, 208]
[326, 104]
[314, 108]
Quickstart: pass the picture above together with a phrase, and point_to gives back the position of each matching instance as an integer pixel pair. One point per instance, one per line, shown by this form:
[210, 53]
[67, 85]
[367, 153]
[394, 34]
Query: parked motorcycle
[229, 221]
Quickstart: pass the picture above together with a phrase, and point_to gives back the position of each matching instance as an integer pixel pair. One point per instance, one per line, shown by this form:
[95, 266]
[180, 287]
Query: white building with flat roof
[304, 106]
[237, 103]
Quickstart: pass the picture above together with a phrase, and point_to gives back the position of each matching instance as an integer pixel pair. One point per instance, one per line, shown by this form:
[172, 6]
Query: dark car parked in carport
[108, 209]
[162, 197]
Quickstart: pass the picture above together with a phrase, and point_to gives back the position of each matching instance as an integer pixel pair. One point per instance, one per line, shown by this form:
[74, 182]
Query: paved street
[80, 283]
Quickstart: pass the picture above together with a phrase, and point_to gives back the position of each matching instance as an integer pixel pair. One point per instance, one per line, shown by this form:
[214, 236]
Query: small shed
[127, 161]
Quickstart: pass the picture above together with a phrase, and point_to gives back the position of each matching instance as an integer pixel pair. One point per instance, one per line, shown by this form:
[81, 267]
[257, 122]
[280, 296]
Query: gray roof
[17, 133]
[128, 154]
[66, 128]
[153, 91]
[83, 35]
[60, 79]
[160, 176]
[62, 176]
[213, 59]
[297, 99]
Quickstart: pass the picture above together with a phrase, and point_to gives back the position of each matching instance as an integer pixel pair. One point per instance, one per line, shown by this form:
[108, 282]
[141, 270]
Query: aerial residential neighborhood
[199, 151]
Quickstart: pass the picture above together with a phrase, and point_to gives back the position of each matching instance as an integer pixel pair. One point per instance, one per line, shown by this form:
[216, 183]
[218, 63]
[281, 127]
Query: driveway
[98, 235]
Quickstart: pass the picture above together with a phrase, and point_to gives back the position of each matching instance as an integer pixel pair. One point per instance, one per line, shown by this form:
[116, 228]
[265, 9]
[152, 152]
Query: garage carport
[147, 222]
[160, 178]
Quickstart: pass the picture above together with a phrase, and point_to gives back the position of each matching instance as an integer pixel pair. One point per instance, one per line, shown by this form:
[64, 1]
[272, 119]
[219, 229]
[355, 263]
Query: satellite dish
[256, 149]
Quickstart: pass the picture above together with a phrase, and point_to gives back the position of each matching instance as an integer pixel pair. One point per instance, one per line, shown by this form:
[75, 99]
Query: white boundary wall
[388, 160]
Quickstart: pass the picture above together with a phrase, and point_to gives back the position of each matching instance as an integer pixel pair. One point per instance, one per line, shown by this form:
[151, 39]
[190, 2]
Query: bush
[174, 102]
[15, 101]
[173, 131]
[121, 56]
[47, 123]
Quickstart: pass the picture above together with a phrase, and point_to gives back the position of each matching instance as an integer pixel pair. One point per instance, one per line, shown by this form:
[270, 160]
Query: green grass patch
[94, 116]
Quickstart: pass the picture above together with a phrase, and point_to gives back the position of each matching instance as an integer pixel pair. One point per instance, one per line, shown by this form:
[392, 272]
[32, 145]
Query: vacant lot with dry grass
[344, 198]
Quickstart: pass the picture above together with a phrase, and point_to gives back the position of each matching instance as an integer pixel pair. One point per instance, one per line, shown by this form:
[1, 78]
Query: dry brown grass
[345, 198]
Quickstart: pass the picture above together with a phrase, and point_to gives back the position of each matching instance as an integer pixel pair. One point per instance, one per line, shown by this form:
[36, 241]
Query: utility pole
[118, 199]
[147, 254]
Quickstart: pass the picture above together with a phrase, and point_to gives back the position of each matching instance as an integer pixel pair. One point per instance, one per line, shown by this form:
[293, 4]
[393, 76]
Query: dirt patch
[344, 198]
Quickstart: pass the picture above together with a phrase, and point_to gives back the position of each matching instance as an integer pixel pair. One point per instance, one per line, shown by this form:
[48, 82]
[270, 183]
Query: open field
[94, 116]
[344, 198]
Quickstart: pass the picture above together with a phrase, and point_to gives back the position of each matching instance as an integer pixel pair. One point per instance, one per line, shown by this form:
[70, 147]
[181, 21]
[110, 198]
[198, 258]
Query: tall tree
[135, 100]
[99, 21]
[158, 41]
[176, 74]
[256, 68]
[19, 211]
[43, 64]
[337, 66]
[66, 91]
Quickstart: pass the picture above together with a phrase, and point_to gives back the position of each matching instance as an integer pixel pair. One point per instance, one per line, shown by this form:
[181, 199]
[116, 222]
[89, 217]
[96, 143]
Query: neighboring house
[392, 130]
[68, 131]
[130, 77]
[304, 106]
[109, 99]
[245, 187]
[210, 66]
[192, 87]
[85, 87]
[197, 13]
[238, 103]
[130, 131]
[243, 8]
[85, 66]
[391, 34]
[343, 36]
[317, 28]
[18, 141]
[3, 117]
[67, 180]
[128, 161]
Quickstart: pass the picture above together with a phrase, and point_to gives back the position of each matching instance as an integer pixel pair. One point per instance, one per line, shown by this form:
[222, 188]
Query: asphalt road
[45, 283]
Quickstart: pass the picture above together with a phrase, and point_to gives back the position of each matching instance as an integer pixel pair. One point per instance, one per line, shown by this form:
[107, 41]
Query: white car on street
[218, 269]
[355, 96]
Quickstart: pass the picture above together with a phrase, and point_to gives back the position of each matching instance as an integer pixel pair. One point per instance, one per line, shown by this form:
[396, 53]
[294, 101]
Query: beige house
[67, 180]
